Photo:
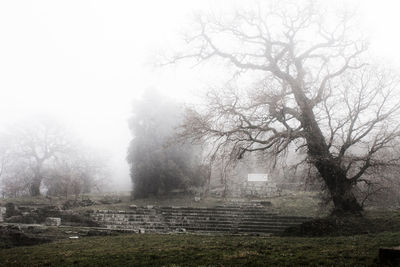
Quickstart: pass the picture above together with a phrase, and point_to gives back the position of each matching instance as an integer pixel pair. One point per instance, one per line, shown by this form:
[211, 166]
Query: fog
[84, 62]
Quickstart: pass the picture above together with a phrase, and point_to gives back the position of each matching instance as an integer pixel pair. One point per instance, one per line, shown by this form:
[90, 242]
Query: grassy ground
[372, 221]
[195, 250]
[299, 204]
[201, 250]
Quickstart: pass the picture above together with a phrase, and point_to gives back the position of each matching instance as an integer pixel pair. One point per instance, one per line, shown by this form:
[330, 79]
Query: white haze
[84, 62]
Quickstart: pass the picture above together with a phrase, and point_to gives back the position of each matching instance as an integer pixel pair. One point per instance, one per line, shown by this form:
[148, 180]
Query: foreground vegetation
[195, 250]
[365, 235]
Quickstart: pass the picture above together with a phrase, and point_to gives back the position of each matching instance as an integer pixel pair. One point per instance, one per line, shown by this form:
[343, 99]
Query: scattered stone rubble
[52, 221]
[69, 204]
[40, 214]
[2, 213]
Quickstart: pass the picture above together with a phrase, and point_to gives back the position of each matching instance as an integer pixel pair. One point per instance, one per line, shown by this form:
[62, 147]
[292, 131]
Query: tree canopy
[160, 164]
[299, 82]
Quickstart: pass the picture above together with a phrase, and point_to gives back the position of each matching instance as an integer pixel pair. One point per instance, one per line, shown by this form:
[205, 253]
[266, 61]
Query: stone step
[214, 218]
[135, 224]
[145, 225]
[207, 229]
[200, 220]
[201, 228]
[232, 230]
[262, 226]
[258, 230]
[294, 217]
[138, 217]
[221, 210]
[212, 225]
[207, 208]
[255, 224]
[212, 214]
[197, 221]
[136, 211]
[242, 218]
[206, 218]
[232, 224]
[144, 220]
[215, 208]
[147, 229]
[275, 218]
[129, 217]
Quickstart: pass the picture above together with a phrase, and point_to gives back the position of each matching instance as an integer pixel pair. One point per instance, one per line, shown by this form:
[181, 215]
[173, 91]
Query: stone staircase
[220, 219]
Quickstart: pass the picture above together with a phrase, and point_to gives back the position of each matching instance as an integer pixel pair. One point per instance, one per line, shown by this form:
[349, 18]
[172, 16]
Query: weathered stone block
[52, 221]
[2, 213]
[390, 256]
[11, 210]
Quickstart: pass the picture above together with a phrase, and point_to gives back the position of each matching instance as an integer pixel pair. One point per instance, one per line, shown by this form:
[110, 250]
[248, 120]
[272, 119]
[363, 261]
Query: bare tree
[298, 82]
[38, 144]
[76, 173]
[41, 153]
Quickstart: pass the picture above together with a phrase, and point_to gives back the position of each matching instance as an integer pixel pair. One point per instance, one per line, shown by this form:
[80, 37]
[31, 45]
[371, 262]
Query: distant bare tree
[42, 153]
[38, 144]
[299, 82]
[15, 179]
[75, 174]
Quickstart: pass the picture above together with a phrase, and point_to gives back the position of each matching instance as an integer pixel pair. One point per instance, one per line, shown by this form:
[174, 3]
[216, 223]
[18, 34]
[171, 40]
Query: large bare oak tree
[300, 81]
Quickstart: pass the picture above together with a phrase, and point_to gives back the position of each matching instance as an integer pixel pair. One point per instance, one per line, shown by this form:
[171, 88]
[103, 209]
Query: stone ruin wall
[2, 213]
[149, 218]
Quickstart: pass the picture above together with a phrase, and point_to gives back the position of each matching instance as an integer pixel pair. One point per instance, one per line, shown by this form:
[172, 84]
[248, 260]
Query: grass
[202, 250]
[299, 203]
[372, 221]
[196, 250]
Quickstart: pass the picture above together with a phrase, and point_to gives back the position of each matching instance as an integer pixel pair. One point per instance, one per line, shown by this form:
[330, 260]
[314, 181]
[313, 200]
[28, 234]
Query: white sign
[257, 177]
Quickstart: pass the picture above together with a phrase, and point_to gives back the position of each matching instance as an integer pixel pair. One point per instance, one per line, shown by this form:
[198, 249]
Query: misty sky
[85, 61]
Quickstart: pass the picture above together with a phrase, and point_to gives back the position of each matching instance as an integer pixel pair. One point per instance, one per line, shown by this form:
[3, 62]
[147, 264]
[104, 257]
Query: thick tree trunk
[339, 187]
[34, 188]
